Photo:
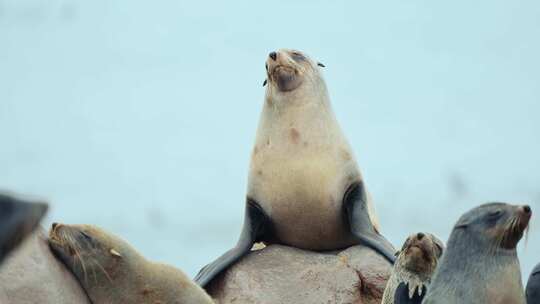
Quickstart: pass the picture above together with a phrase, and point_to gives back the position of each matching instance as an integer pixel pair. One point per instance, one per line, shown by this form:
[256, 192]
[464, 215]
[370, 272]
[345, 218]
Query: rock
[31, 274]
[281, 274]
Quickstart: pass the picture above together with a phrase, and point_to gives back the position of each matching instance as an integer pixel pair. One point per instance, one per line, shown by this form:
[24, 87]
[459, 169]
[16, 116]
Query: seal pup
[305, 189]
[415, 264]
[18, 218]
[111, 271]
[532, 291]
[480, 264]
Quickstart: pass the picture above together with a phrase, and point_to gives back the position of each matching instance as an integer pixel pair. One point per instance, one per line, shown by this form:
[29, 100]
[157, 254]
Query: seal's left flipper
[357, 214]
[256, 225]
[17, 219]
[402, 295]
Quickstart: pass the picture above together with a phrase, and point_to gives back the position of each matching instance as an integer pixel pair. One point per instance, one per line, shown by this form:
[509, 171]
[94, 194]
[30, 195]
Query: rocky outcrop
[31, 275]
[280, 274]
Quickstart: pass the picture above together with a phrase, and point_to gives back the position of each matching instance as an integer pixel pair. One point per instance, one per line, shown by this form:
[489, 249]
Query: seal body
[112, 272]
[300, 168]
[480, 264]
[411, 275]
[304, 187]
[532, 291]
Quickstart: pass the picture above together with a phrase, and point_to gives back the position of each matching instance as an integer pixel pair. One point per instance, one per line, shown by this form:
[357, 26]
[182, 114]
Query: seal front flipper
[256, 225]
[402, 295]
[357, 214]
[18, 219]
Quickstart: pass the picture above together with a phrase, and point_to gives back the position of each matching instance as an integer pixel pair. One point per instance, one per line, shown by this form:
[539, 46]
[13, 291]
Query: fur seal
[415, 264]
[480, 264]
[305, 188]
[18, 218]
[532, 291]
[111, 271]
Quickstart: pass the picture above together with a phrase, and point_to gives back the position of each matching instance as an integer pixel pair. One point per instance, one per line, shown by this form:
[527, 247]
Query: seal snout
[525, 213]
[273, 55]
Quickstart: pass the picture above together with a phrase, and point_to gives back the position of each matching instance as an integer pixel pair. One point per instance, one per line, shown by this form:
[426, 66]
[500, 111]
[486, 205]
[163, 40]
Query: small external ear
[397, 253]
[115, 253]
[321, 65]
[265, 82]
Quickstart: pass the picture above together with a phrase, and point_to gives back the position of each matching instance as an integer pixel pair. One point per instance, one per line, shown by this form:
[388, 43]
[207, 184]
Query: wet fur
[129, 278]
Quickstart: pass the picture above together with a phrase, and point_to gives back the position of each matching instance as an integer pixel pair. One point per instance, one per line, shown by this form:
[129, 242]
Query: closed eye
[439, 250]
[297, 56]
[495, 214]
[86, 236]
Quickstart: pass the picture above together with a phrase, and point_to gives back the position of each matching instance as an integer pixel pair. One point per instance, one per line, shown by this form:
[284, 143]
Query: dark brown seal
[112, 272]
[480, 264]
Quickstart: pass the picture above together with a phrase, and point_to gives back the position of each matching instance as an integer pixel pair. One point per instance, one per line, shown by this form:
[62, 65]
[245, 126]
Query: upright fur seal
[304, 189]
[533, 286]
[480, 264]
[415, 264]
[18, 218]
[112, 272]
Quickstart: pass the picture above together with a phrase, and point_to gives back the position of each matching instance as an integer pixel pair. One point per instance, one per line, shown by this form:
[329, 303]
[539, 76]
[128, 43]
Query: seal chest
[301, 166]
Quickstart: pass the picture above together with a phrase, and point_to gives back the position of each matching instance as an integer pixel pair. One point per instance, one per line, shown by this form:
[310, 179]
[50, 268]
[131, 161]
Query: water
[140, 117]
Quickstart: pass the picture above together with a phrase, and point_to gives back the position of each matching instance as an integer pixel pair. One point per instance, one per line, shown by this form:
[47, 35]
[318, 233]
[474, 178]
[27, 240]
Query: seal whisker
[103, 269]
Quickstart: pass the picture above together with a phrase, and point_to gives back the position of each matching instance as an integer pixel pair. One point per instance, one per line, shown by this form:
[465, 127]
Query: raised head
[420, 253]
[499, 226]
[291, 75]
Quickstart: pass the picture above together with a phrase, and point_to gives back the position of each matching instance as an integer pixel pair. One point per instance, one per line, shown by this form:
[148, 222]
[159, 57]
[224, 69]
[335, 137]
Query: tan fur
[113, 272]
[302, 164]
[413, 266]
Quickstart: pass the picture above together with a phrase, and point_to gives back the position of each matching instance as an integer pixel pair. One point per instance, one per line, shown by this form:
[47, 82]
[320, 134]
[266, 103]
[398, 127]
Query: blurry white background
[139, 116]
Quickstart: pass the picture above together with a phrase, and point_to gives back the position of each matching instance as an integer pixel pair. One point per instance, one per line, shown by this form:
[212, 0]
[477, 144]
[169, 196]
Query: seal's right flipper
[256, 225]
[17, 220]
[357, 214]
[402, 295]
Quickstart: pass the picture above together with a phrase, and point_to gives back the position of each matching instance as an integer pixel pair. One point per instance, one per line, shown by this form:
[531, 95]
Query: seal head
[481, 257]
[293, 76]
[111, 271]
[415, 264]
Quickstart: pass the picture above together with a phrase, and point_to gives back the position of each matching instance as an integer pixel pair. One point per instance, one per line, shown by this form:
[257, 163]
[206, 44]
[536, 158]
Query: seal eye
[439, 250]
[495, 214]
[297, 56]
[86, 236]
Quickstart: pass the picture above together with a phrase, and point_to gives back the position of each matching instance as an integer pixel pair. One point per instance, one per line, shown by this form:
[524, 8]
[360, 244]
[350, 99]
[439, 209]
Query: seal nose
[526, 209]
[54, 225]
[273, 55]
[420, 236]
